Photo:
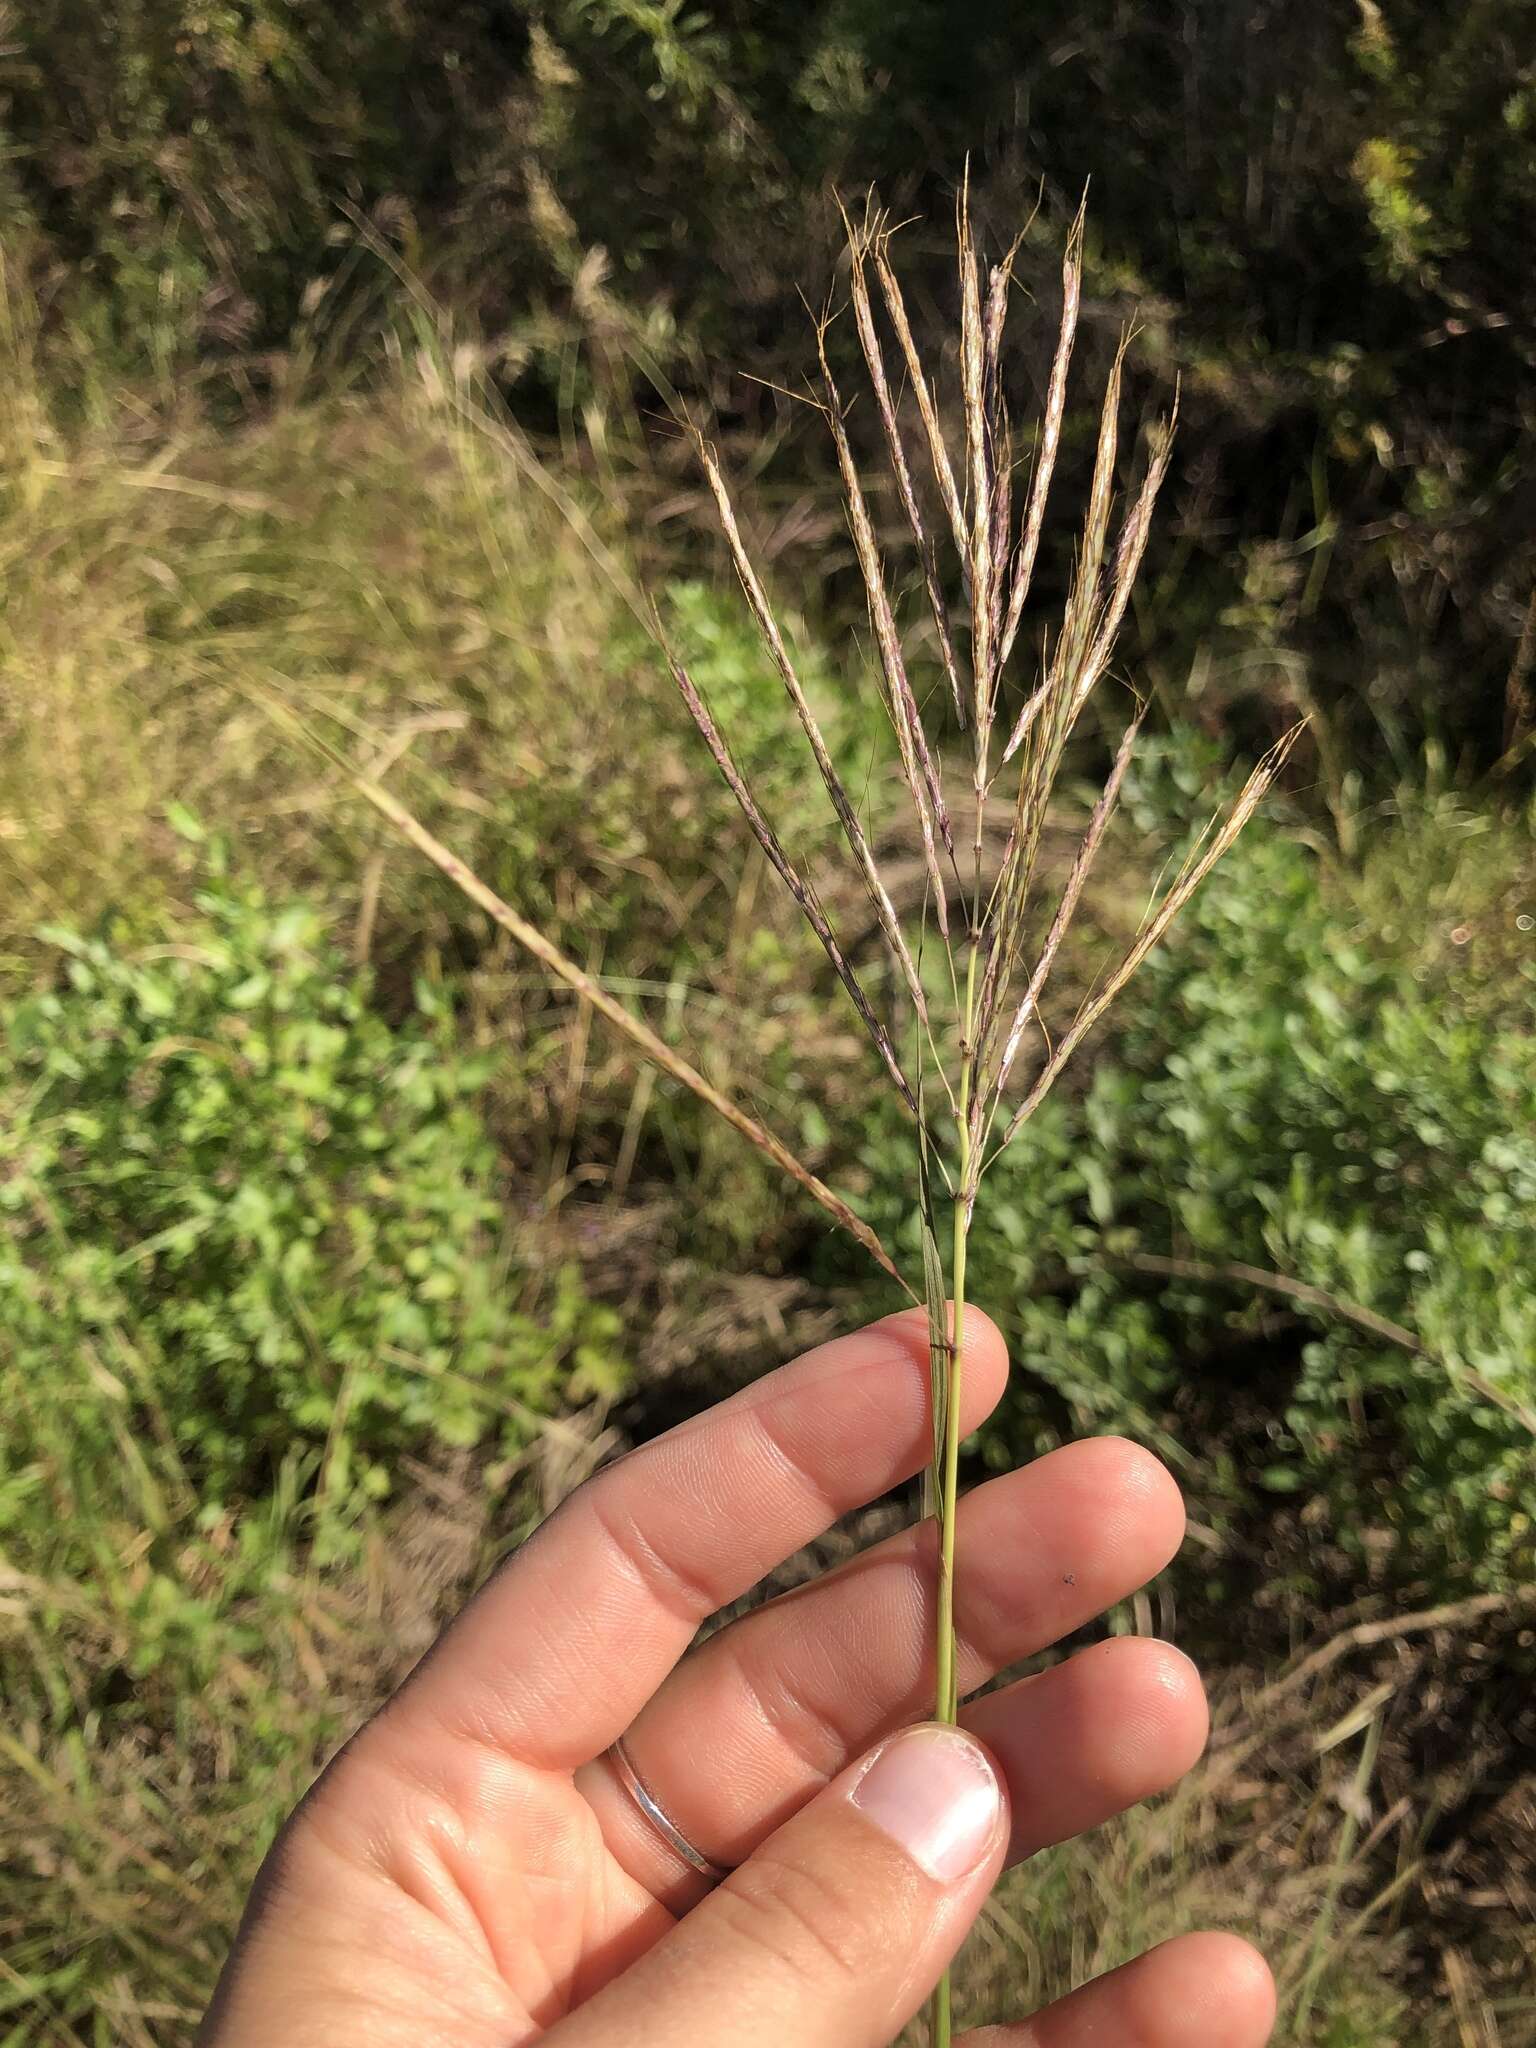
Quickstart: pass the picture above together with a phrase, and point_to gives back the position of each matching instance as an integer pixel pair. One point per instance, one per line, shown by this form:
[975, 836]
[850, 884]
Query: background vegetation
[333, 351]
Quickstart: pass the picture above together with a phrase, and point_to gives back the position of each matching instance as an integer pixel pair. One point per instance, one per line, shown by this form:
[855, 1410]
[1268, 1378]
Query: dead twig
[1336, 1305]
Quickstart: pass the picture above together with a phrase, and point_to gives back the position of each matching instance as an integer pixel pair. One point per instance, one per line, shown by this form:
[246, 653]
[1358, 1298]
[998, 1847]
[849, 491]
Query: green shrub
[269, 1215]
[1342, 1102]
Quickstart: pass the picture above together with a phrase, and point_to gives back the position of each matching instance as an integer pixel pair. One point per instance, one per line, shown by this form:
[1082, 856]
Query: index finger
[561, 1648]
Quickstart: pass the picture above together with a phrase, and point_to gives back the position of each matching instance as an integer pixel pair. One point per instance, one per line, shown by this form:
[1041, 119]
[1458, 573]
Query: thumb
[835, 1930]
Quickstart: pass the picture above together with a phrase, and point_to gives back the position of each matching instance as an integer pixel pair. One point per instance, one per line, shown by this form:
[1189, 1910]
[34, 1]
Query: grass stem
[946, 1682]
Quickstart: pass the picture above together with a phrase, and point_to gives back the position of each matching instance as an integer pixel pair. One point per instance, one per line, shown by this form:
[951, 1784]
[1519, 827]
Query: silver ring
[658, 1817]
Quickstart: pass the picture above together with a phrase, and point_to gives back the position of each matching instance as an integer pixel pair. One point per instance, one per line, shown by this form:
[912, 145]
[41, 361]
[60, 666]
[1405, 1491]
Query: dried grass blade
[800, 889]
[633, 1027]
[842, 804]
[1050, 438]
[1190, 876]
[938, 449]
[874, 358]
[917, 763]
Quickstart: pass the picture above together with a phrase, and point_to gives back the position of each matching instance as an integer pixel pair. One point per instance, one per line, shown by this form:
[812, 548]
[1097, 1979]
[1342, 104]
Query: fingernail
[933, 1792]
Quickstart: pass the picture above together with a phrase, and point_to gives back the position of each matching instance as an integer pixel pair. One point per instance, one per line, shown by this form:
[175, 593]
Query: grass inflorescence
[972, 533]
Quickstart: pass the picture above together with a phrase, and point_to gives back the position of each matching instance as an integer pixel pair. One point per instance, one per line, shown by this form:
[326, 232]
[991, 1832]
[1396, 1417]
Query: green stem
[946, 1685]
[947, 1701]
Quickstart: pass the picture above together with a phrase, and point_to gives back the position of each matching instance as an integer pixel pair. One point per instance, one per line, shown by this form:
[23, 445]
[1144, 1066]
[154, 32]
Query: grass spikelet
[938, 447]
[978, 467]
[1050, 437]
[1066, 909]
[917, 764]
[842, 803]
[860, 243]
[1213, 844]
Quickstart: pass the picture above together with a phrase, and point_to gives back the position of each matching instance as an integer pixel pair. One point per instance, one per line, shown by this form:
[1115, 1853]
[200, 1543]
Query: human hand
[473, 1871]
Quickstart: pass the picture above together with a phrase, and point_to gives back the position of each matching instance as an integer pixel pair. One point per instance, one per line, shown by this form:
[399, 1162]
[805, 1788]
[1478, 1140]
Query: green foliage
[406, 569]
[1330, 1079]
[184, 163]
[1301, 1096]
[252, 1203]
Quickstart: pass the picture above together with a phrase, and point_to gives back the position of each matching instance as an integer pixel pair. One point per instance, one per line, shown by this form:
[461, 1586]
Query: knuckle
[797, 1467]
[816, 1734]
[798, 1919]
[685, 1592]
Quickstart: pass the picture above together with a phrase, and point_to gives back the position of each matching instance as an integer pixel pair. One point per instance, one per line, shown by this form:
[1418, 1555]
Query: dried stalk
[662, 1055]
